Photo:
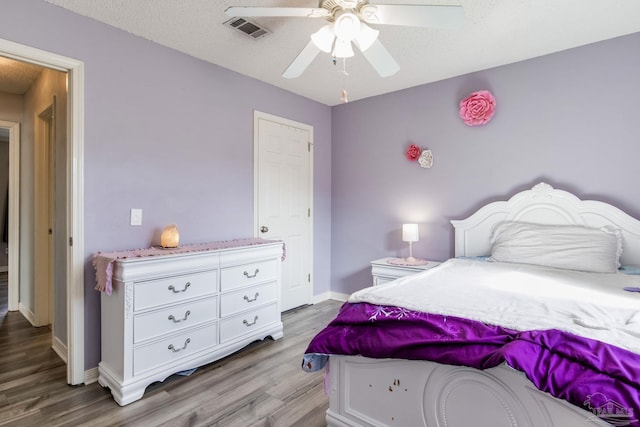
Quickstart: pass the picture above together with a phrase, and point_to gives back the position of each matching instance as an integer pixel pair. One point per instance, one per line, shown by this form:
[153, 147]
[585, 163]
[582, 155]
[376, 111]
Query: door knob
[264, 229]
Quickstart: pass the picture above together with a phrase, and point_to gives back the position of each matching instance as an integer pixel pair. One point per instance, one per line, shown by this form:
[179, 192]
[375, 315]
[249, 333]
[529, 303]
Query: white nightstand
[384, 272]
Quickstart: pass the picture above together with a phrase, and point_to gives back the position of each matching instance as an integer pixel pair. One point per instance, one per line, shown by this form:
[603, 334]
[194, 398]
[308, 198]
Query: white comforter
[522, 297]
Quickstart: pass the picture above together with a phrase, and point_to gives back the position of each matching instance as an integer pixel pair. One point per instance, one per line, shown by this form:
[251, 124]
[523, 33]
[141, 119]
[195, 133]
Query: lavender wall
[570, 119]
[169, 134]
[173, 135]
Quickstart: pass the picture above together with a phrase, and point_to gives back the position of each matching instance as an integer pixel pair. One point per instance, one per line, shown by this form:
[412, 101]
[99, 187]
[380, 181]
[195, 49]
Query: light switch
[136, 216]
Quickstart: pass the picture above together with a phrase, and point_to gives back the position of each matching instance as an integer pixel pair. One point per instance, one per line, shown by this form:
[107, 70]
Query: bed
[558, 346]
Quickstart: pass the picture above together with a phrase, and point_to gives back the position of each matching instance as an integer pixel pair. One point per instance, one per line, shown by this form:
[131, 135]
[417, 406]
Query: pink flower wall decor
[423, 157]
[478, 108]
[413, 152]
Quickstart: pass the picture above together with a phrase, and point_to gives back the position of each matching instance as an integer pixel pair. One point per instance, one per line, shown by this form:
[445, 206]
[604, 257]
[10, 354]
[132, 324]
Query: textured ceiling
[495, 32]
[16, 77]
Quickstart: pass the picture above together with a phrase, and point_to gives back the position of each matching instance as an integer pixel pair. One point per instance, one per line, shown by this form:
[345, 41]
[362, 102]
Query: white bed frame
[394, 392]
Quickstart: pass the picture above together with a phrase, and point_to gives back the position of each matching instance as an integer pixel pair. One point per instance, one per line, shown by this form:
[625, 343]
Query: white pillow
[572, 247]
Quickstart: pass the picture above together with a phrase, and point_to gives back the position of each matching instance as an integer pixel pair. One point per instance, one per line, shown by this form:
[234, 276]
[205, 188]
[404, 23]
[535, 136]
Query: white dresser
[171, 313]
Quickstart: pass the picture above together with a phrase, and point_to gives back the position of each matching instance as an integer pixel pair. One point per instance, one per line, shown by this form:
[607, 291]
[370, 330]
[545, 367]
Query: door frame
[259, 115]
[75, 194]
[14, 212]
[44, 143]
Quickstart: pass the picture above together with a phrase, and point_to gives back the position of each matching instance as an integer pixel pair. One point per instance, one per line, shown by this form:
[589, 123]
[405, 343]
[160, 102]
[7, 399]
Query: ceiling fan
[349, 23]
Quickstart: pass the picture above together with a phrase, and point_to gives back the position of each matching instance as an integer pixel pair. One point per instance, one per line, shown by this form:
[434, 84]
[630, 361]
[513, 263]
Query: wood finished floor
[262, 385]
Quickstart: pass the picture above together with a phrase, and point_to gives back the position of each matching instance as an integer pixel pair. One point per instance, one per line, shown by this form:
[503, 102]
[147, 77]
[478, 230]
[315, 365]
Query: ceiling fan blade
[380, 59]
[249, 11]
[436, 16]
[302, 61]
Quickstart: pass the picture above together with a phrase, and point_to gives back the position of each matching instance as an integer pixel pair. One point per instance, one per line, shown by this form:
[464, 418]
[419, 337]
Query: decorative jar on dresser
[170, 313]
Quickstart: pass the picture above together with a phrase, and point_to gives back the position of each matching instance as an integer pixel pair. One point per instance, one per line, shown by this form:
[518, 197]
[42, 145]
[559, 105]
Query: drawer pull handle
[186, 286]
[175, 350]
[247, 299]
[255, 319]
[186, 315]
[249, 276]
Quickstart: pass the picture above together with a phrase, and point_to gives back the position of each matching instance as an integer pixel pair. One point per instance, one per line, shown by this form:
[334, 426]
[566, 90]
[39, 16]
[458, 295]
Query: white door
[283, 171]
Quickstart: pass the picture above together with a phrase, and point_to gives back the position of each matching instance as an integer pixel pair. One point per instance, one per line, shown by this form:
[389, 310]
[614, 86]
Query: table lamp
[410, 234]
[170, 237]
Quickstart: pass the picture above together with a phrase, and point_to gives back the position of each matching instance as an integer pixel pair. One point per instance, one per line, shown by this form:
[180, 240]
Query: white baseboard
[60, 348]
[28, 314]
[337, 296]
[91, 375]
[329, 296]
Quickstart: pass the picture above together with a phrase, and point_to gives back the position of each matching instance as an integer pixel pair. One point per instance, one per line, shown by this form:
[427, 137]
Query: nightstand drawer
[381, 280]
[247, 298]
[174, 347]
[247, 322]
[248, 274]
[174, 289]
[171, 319]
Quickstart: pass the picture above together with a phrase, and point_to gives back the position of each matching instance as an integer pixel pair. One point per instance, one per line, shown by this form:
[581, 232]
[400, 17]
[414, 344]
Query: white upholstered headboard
[545, 205]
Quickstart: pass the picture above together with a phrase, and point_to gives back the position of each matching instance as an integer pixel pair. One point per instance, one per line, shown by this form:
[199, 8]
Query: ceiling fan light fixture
[343, 49]
[347, 4]
[366, 37]
[323, 38]
[347, 26]
[369, 13]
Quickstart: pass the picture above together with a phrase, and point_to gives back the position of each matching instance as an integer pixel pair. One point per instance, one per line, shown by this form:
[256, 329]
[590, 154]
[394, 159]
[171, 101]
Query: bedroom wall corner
[576, 130]
[180, 149]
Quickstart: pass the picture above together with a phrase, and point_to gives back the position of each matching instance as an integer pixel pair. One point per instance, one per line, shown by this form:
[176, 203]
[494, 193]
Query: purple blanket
[590, 374]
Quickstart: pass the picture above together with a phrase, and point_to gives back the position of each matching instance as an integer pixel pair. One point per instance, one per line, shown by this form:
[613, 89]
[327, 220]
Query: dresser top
[103, 261]
[199, 247]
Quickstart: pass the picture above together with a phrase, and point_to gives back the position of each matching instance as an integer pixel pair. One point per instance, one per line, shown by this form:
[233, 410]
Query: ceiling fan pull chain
[343, 96]
[343, 93]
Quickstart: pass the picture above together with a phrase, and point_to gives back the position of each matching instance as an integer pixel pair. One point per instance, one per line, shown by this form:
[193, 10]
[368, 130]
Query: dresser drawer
[172, 319]
[248, 321]
[174, 289]
[174, 347]
[247, 298]
[248, 274]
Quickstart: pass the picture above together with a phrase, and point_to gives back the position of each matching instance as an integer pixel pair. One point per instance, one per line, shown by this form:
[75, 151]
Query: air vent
[248, 28]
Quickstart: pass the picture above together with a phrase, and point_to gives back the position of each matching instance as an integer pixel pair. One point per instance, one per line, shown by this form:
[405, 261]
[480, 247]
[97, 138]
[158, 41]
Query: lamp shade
[410, 232]
[342, 49]
[347, 26]
[323, 38]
